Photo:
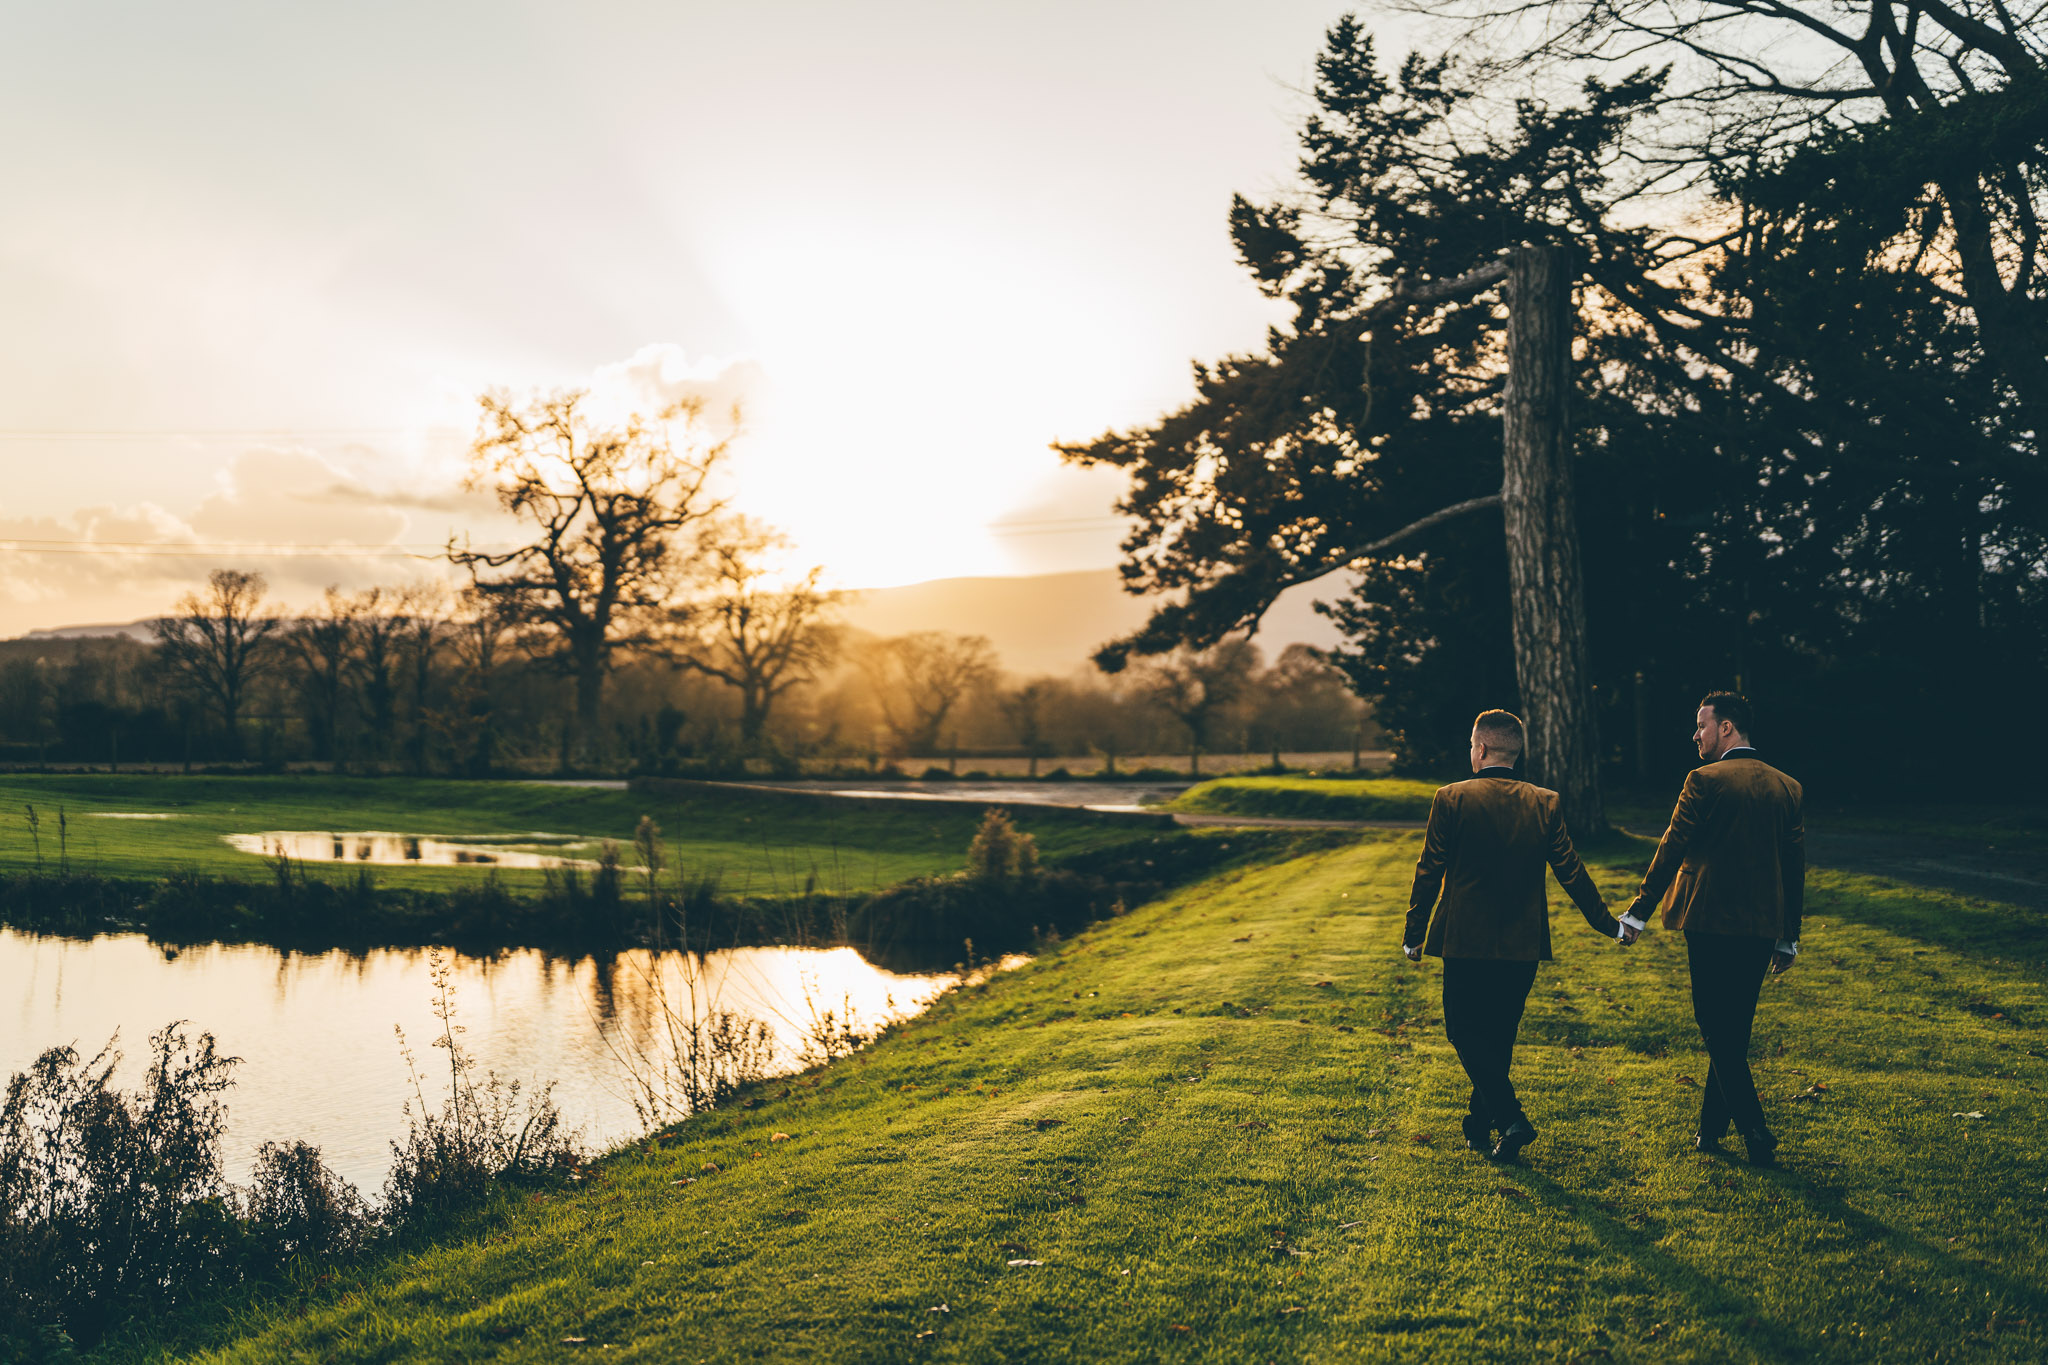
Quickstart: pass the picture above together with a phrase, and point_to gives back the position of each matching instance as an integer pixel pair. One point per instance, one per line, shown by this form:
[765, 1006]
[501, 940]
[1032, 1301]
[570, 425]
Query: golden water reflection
[375, 846]
[314, 1030]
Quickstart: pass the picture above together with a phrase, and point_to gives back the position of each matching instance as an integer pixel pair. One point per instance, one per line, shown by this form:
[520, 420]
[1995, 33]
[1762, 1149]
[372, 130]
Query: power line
[160, 550]
[219, 434]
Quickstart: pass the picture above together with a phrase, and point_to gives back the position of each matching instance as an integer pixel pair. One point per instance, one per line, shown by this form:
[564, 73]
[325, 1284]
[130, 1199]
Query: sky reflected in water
[315, 1030]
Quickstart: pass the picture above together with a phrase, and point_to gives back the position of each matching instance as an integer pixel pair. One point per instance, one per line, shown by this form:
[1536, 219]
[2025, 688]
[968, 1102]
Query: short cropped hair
[1500, 730]
[1734, 708]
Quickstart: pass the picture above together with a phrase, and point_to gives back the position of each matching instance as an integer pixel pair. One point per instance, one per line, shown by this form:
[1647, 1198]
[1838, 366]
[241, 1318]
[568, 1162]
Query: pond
[375, 846]
[320, 1060]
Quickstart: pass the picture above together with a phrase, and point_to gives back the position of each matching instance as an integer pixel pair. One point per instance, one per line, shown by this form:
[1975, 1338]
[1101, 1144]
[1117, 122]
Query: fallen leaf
[1973, 1114]
[1320, 985]
[1687, 1080]
[1048, 1123]
[1511, 1192]
[708, 1166]
[686, 1180]
[780, 1137]
[1421, 1139]
[922, 1335]
[1295, 1308]
[1024, 1262]
[1246, 939]
[575, 1341]
[939, 1308]
[1178, 1327]
[646, 1263]
[1343, 1226]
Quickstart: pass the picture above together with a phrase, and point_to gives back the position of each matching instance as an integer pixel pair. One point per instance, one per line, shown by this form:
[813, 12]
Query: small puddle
[371, 846]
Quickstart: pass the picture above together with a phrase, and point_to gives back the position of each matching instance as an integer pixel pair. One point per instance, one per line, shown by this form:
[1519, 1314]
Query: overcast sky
[258, 260]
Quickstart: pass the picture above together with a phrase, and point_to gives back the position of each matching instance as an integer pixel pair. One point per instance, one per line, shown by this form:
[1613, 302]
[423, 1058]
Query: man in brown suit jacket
[1731, 873]
[1485, 850]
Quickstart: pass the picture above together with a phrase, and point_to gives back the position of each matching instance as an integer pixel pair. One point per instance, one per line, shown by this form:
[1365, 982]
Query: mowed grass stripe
[1173, 1095]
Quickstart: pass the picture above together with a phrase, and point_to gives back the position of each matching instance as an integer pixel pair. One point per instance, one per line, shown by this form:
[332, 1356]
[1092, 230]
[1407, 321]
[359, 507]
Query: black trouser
[1483, 1000]
[1727, 976]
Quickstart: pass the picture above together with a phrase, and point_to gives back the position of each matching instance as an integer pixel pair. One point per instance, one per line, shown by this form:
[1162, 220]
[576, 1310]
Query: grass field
[759, 845]
[1224, 1128]
[1311, 798]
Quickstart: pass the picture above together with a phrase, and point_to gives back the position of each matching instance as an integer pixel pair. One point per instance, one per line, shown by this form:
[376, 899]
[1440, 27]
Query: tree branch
[1436, 518]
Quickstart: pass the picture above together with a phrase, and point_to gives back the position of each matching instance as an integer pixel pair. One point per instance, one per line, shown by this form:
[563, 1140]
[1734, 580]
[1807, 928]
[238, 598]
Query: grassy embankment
[1226, 1125]
[1310, 798]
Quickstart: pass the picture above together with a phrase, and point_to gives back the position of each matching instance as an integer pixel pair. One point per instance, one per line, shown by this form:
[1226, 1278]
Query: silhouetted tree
[1196, 686]
[219, 644]
[481, 627]
[421, 611]
[758, 634]
[320, 646]
[1948, 100]
[1024, 707]
[919, 678]
[607, 506]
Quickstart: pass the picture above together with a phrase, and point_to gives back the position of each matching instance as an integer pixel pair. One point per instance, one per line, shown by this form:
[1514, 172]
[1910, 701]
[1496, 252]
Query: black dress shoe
[1763, 1147]
[1708, 1146]
[1519, 1135]
[1478, 1133]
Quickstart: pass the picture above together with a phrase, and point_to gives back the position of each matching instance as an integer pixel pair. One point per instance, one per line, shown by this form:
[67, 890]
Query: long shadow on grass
[1734, 1312]
[1909, 1248]
[1730, 1310]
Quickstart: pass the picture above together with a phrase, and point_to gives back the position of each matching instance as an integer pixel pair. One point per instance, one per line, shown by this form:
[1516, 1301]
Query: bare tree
[606, 505]
[321, 646]
[756, 634]
[1024, 708]
[919, 678]
[219, 644]
[479, 629]
[378, 626]
[422, 627]
[1957, 85]
[1196, 686]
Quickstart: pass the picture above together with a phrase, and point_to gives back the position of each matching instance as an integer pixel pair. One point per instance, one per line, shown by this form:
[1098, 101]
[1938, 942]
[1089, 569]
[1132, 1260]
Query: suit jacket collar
[1746, 751]
[1497, 770]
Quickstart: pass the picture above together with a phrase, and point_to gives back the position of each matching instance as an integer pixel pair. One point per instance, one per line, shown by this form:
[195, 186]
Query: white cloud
[663, 373]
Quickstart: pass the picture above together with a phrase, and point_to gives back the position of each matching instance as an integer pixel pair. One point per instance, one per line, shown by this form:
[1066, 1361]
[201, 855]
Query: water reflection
[315, 1030]
[373, 846]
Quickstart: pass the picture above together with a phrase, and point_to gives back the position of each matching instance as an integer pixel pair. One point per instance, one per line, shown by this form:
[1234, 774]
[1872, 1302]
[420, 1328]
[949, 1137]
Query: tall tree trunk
[583, 745]
[1549, 601]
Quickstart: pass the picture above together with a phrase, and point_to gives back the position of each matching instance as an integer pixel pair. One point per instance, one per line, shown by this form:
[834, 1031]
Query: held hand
[1412, 953]
[1629, 934]
[1781, 963]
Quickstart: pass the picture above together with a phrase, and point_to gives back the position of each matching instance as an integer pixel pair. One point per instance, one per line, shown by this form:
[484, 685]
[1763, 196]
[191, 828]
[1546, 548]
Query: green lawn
[1311, 798]
[1226, 1124]
[759, 844]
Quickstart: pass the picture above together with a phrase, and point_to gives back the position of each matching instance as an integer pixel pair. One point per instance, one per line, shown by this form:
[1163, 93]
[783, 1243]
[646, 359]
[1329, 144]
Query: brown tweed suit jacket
[1488, 842]
[1734, 858]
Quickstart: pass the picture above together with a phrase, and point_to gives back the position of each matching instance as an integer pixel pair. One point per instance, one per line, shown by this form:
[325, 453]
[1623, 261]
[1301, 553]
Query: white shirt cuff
[1789, 947]
[1631, 921]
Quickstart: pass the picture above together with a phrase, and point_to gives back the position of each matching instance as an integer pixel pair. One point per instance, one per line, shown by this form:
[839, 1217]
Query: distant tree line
[420, 680]
[642, 625]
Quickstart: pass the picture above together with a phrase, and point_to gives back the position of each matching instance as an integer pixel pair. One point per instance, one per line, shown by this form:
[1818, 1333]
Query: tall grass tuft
[481, 1132]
